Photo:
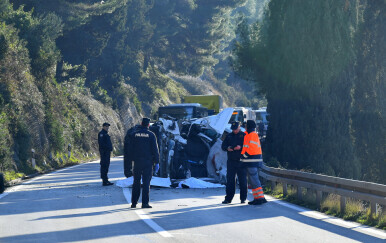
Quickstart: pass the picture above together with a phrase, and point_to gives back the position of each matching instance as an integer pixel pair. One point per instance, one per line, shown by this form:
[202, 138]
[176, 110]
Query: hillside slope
[68, 66]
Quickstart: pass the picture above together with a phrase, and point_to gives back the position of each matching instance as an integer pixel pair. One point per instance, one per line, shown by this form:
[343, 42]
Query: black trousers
[235, 167]
[142, 171]
[105, 164]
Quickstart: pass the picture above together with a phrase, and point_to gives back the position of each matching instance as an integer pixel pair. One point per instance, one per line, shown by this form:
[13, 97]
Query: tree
[302, 57]
[369, 111]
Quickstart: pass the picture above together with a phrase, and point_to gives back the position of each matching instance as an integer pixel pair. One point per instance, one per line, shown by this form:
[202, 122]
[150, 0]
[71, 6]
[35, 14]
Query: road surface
[71, 205]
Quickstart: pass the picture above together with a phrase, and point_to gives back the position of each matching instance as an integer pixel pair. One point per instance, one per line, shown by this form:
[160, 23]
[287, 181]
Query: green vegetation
[68, 66]
[356, 210]
[12, 175]
[321, 65]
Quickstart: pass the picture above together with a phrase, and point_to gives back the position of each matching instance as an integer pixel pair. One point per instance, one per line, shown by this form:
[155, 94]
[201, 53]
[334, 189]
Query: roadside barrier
[373, 193]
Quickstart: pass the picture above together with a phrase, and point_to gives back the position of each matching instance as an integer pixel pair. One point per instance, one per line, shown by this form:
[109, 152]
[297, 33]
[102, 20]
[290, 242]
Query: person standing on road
[233, 144]
[105, 148]
[127, 160]
[144, 152]
[252, 156]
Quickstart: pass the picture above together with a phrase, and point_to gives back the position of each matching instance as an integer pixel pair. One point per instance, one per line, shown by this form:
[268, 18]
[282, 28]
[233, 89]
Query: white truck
[261, 121]
[242, 114]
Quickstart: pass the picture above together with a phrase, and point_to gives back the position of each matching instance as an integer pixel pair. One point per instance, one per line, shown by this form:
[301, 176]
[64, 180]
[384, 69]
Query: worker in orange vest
[253, 157]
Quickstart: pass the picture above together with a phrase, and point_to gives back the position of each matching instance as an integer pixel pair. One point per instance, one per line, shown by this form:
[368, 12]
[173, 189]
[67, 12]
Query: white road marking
[330, 219]
[142, 215]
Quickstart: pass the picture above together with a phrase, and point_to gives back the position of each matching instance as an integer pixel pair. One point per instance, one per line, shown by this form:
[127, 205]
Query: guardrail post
[285, 192]
[299, 192]
[373, 207]
[319, 195]
[342, 204]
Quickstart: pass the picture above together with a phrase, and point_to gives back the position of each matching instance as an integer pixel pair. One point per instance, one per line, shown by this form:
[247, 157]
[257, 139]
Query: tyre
[2, 187]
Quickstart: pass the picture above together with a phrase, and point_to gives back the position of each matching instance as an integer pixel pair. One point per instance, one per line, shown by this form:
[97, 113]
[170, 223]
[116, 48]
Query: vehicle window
[259, 116]
[237, 116]
[181, 113]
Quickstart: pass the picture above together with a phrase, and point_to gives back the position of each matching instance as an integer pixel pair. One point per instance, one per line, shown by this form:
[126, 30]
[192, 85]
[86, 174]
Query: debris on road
[155, 181]
[166, 183]
[197, 183]
[192, 148]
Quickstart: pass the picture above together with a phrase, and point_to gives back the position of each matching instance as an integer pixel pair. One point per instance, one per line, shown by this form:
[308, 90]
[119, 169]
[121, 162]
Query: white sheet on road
[197, 183]
[155, 181]
[165, 182]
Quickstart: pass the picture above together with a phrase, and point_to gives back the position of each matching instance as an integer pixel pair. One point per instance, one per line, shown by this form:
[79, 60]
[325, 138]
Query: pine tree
[369, 113]
[302, 56]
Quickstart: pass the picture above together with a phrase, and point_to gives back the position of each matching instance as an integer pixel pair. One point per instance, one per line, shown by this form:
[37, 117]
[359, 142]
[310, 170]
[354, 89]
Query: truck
[212, 102]
[185, 111]
[261, 121]
[242, 114]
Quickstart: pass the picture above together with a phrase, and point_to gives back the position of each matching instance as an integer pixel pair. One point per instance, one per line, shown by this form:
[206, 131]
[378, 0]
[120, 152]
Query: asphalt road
[71, 205]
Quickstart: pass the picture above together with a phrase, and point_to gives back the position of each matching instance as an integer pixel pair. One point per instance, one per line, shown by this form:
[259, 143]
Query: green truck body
[212, 102]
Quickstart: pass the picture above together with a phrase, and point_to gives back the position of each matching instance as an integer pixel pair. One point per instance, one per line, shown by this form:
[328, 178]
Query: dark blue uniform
[234, 166]
[144, 152]
[105, 148]
[127, 161]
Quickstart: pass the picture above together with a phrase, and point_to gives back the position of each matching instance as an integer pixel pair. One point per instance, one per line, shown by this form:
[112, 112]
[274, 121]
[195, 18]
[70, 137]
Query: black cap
[106, 124]
[145, 121]
[251, 124]
[235, 125]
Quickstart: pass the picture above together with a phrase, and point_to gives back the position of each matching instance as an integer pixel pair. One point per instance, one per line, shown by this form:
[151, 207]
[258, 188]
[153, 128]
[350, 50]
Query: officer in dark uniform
[144, 152]
[105, 148]
[233, 144]
[127, 160]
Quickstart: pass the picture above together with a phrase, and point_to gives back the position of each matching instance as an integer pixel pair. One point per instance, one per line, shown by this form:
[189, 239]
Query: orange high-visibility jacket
[251, 148]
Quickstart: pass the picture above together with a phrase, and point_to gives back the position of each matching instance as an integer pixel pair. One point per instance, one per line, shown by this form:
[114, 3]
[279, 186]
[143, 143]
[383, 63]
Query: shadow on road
[74, 197]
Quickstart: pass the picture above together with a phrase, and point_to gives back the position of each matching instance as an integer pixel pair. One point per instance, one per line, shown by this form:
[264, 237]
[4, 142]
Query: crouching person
[252, 156]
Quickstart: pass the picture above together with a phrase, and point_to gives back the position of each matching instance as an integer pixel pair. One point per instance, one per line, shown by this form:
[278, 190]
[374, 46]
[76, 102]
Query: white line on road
[330, 219]
[142, 215]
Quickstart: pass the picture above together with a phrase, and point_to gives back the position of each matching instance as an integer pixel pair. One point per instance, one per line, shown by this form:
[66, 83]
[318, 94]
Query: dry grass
[356, 210]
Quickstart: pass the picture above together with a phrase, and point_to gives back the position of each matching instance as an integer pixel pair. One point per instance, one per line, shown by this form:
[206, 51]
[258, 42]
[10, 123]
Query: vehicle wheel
[2, 188]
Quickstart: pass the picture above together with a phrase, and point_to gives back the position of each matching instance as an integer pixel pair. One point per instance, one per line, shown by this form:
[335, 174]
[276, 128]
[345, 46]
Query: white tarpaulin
[155, 181]
[197, 183]
[218, 122]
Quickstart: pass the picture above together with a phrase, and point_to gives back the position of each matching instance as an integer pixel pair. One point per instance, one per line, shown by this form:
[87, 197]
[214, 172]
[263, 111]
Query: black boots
[257, 201]
[226, 202]
[134, 205]
[107, 183]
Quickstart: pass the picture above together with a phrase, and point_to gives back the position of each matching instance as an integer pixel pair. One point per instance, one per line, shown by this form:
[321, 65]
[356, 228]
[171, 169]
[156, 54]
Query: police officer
[233, 144]
[127, 160]
[144, 152]
[105, 148]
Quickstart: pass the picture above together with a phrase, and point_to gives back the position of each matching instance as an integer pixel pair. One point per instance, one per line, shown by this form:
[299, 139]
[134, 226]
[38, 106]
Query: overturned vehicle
[192, 148]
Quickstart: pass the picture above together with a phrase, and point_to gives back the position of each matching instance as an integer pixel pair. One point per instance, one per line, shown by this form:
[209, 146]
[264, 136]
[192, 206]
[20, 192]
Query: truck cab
[261, 120]
[242, 114]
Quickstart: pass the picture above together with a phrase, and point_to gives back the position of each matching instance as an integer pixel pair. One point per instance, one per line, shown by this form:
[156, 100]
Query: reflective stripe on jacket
[251, 148]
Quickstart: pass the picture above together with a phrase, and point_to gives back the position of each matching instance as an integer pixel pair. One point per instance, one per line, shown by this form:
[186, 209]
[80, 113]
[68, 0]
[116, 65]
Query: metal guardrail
[346, 188]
